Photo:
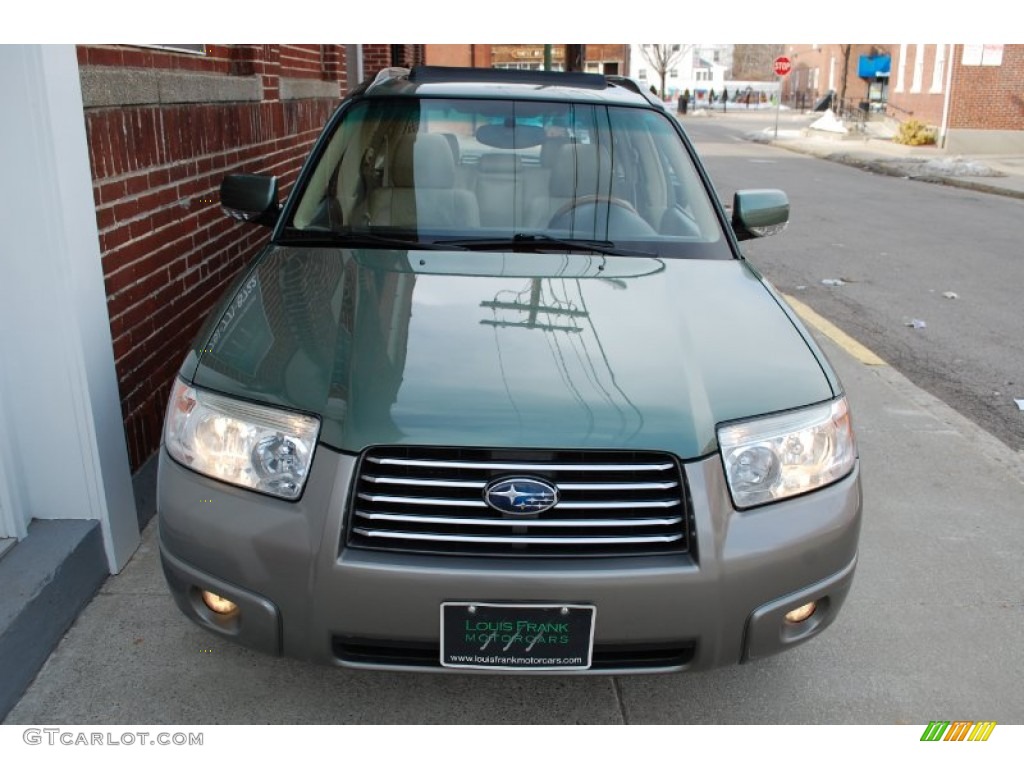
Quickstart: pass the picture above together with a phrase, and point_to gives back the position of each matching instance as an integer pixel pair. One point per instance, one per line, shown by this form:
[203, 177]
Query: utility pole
[532, 310]
[574, 57]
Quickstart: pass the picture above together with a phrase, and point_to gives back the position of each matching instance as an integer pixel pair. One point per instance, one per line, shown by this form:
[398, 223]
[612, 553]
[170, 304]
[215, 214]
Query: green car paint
[508, 350]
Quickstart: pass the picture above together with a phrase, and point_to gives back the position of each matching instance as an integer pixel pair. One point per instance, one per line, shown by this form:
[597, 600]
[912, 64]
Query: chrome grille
[432, 500]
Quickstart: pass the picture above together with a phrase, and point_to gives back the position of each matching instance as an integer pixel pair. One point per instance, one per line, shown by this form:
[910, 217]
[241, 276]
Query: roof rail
[632, 85]
[389, 73]
[427, 74]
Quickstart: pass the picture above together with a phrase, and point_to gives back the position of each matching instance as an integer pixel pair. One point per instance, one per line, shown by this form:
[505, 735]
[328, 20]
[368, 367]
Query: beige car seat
[422, 194]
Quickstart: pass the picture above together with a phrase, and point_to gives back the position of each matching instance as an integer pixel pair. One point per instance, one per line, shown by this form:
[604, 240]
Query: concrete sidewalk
[930, 629]
[873, 150]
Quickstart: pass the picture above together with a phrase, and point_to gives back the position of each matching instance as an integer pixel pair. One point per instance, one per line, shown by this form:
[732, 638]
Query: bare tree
[754, 62]
[844, 50]
[663, 57]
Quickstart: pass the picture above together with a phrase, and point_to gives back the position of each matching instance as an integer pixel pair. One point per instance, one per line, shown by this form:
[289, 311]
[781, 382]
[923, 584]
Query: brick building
[115, 251]
[819, 68]
[972, 94]
[453, 55]
[605, 59]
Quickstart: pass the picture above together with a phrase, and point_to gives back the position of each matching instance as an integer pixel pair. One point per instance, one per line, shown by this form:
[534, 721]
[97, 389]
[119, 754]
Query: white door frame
[62, 448]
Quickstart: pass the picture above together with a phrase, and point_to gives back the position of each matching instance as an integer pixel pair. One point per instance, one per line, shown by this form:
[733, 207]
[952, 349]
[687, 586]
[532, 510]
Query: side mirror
[248, 197]
[759, 213]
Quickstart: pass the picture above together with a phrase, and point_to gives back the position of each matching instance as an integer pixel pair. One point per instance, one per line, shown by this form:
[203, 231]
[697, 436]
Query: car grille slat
[512, 522]
[533, 540]
[421, 500]
[423, 482]
[431, 500]
[524, 466]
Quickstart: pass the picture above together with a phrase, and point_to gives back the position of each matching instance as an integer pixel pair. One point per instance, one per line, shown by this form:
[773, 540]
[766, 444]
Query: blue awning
[874, 66]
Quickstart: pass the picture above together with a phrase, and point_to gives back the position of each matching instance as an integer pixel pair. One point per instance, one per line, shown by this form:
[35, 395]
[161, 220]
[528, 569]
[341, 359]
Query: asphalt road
[899, 246]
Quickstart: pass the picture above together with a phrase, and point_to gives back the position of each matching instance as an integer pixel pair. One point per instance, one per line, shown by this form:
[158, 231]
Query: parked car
[503, 394]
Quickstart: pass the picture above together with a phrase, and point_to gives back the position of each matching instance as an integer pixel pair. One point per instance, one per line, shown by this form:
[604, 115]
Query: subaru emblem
[520, 496]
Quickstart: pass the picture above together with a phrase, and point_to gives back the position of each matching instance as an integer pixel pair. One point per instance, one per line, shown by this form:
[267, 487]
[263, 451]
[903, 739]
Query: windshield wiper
[318, 236]
[524, 241]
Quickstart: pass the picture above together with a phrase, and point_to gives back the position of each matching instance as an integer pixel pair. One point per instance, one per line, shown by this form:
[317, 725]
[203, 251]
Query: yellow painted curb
[857, 350]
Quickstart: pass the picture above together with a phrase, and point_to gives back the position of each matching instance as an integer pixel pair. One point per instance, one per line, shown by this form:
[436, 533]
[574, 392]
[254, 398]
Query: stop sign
[781, 66]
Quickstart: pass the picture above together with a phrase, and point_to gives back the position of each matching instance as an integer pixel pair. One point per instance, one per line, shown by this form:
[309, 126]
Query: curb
[48, 579]
[881, 167]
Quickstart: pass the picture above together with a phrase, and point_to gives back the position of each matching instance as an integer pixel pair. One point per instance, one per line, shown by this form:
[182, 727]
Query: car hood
[508, 349]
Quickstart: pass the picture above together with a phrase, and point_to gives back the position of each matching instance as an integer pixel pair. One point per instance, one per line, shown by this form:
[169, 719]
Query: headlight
[771, 458]
[265, 449]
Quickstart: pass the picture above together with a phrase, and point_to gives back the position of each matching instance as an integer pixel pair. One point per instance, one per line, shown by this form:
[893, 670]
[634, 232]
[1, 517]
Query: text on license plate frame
[547, 636]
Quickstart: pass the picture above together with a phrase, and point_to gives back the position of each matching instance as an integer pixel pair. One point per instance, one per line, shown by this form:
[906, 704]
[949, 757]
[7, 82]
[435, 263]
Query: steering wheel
[579, 202]
[614, 213]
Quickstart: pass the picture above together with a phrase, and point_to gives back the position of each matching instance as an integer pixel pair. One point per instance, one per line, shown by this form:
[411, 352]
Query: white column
[915, 86]
[13, 514]
[939, 69]
[64, 440]
[901, 69]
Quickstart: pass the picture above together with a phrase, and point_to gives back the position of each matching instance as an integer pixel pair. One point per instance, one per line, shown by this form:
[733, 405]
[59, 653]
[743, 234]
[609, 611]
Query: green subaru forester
[502, 394]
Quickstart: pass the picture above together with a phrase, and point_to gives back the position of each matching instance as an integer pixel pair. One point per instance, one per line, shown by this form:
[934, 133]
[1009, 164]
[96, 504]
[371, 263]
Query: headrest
[498, 163]
[549, 150]
[581, 169]
[423, 160]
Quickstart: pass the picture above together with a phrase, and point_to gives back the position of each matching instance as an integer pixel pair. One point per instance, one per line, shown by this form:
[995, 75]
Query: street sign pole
[778, 106]
[780, 67]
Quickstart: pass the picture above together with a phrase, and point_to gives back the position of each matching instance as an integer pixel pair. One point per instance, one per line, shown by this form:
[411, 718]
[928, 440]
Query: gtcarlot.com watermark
[72, 738]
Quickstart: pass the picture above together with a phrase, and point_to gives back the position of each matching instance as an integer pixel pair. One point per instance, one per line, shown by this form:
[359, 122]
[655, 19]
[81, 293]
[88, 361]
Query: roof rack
[389, 73]
[427, 74]
[632, 85]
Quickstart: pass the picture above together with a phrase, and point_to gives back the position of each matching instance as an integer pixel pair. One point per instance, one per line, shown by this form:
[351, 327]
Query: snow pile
[957, 166]
[829, 122]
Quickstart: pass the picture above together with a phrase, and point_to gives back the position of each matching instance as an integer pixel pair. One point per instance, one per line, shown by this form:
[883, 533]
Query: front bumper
[304, 595]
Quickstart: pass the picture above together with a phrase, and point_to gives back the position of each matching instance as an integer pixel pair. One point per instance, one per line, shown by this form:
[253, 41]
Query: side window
[669, 194]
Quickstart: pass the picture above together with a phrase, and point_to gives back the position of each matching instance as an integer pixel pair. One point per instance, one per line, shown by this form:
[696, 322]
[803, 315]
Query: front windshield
[440, 170]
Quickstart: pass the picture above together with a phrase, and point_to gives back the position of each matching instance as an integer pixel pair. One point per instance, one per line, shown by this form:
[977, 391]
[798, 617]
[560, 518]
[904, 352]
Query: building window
[673, 73]
[901, 71]
[939, 69]
[915, 86]
[642, 74]
[832, 73]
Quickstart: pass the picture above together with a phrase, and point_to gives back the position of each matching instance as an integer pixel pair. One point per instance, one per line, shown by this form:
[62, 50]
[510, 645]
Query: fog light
[802, 613]
[218, 604]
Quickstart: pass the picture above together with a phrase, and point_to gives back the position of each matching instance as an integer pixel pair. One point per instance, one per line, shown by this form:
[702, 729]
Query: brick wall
[989, 97]
[812, 73]
[924, 103]
[163, 129]
[463, 55]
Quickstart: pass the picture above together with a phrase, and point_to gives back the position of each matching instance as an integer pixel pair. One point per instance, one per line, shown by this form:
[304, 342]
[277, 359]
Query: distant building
[971, 94]
[460, 55]
[703, 69]
[605, 59]
[822, 69]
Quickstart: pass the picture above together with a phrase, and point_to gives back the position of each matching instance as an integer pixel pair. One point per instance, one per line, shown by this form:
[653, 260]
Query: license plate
[517, 636]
